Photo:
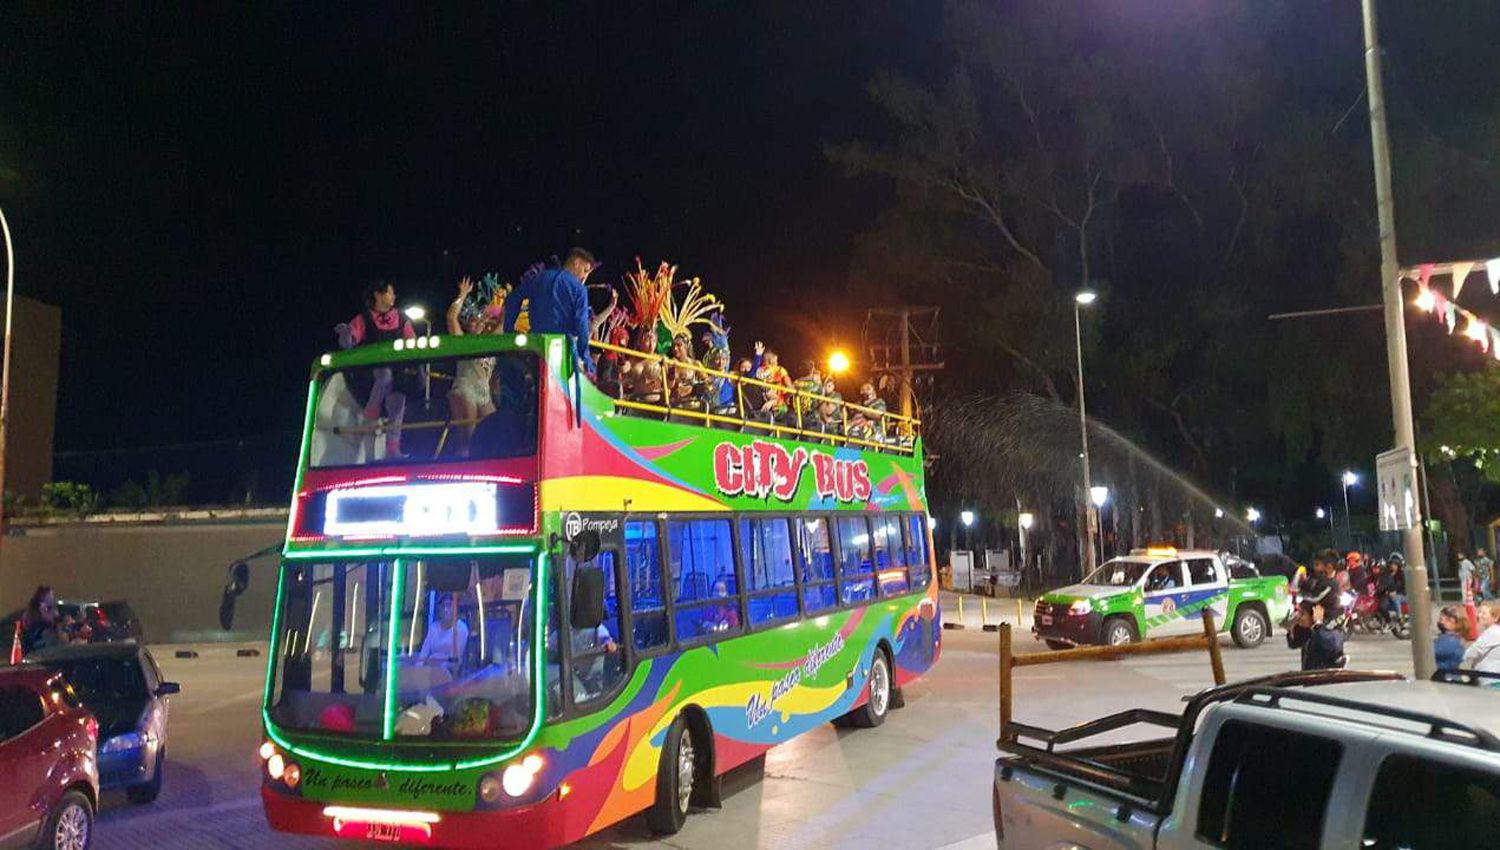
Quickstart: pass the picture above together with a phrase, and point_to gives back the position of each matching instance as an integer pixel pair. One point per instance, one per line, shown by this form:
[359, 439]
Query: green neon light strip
[274, 650]
[398, 573]
[539, 664]
[400, 551]
[302, 453]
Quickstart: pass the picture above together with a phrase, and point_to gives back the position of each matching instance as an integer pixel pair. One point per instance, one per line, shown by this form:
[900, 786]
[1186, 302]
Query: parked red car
[47, 744]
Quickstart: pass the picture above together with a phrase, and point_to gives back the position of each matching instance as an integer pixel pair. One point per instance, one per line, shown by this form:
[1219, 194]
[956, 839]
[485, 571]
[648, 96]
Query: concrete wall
[171, 574]
[33, 396]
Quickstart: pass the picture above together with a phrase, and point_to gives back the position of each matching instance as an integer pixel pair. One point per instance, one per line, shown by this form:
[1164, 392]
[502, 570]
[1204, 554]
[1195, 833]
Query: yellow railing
[890, 431]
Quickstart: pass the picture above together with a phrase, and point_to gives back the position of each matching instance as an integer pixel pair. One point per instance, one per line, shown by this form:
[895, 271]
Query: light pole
[1322, 514]
[967, 518]
[1418, 595]
[1098, 495]
[10, 308]
[418, 313]
[1349, 479]
[1082, 299]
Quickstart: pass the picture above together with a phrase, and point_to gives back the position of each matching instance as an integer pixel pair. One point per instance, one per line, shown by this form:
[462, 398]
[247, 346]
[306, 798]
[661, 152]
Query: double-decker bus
[521, 627]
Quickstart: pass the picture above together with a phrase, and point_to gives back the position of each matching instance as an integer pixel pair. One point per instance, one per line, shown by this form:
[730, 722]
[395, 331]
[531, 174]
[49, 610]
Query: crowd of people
[1324, 596]
[669, 373]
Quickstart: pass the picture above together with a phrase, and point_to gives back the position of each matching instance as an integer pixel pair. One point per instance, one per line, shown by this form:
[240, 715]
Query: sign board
[961, 567]
[1396, 472]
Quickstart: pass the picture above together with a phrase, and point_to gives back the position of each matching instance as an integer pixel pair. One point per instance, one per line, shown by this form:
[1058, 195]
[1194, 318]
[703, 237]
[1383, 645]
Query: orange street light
[838, 363]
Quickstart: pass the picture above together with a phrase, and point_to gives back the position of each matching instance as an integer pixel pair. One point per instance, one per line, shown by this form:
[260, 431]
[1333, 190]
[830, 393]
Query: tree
[1461, 444]
[156, 492]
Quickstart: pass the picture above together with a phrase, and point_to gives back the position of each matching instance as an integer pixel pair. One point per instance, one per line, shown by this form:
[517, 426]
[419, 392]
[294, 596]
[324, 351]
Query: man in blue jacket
[555, 301]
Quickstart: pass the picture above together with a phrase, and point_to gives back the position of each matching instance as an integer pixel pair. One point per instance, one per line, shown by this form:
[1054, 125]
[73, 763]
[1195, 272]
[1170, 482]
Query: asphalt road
[918, 781]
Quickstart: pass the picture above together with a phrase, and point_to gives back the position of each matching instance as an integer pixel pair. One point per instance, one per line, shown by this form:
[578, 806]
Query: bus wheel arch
[706, 785]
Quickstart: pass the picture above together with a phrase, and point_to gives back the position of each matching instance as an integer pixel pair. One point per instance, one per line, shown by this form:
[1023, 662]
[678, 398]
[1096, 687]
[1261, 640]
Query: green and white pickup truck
[1161, 592]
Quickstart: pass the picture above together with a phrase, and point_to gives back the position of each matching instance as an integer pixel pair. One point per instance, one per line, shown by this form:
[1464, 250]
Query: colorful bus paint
[594, 470]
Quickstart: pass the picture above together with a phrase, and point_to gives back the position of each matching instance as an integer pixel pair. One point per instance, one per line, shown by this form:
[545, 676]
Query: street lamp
[1349, 480]
[838, 363]
[1082, 299]
[1252, 516]
[1328, 514]
[967, 518]
[1025, 520]
[1098, 495]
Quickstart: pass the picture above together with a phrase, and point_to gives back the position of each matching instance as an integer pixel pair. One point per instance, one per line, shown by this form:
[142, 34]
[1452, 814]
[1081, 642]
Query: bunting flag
[1424, 273]
[1443, 309]
[1460, 272]
[1492, 268]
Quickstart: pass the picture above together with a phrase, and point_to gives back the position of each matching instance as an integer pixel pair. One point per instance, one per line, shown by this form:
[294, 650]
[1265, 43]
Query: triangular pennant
[1492, 268]
[1424, 273]
[1460, 271]
[1450, 316]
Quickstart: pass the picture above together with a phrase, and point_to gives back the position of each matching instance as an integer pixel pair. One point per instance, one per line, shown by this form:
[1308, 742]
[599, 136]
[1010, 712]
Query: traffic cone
[15, 646]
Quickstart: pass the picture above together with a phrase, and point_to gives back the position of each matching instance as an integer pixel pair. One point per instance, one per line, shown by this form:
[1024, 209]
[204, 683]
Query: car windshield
[426, 410]
[461, 632]
[100, 680]
[1117, 573]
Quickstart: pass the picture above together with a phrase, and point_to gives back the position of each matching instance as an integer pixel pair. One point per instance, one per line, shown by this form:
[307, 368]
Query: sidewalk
[978, 610]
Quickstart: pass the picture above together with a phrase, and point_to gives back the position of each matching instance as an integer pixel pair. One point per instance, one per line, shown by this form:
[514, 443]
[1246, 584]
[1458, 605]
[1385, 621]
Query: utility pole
[1417, 591]
[912, 355]
[10, 309]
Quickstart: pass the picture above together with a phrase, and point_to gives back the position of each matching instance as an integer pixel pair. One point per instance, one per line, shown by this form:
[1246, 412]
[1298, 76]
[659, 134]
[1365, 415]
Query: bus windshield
[1117, 573]
[426, 410]
[462, 633]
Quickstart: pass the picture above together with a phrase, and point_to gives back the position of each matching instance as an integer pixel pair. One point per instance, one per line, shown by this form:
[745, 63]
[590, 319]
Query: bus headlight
[275, 766]
[518, 778]
[292, 775]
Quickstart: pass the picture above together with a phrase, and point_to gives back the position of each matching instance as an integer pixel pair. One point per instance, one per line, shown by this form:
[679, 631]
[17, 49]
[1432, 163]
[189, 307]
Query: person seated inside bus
[470, 399]
[724, 615]
[597, 664]
[447, 639]
[1163, 577]
[868, 424]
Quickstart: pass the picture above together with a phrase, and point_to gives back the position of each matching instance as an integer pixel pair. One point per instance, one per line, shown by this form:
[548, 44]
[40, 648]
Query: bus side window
[705, 590]
[771, 585]
[916, 550]
[856, 581]
[816, 555]
[647, 604]
[598, 664]
[890, 555]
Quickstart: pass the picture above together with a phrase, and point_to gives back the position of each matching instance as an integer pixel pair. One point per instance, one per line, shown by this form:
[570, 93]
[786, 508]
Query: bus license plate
[384, 832]
[1046, 619]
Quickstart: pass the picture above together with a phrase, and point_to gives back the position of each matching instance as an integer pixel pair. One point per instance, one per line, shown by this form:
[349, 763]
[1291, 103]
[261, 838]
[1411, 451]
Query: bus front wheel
[675, 776]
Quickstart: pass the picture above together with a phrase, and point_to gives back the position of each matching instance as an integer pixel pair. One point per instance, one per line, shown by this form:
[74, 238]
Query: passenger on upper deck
[771, 371]
[380, 321]
[471, 398]
[554, 301]
[865, 425]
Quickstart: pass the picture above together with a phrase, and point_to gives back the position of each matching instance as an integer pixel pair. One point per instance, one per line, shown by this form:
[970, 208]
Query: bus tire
[881, 685]
[1251, 625]
[1118, 631]
[676, 774]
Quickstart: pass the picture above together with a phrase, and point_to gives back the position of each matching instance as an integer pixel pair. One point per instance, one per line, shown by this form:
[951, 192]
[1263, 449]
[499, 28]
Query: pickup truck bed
[1114, 795]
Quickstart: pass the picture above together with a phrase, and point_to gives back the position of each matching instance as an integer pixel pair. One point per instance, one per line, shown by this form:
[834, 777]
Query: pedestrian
[1322, 587]
[554, 301]
[1468, 575]
[1484, 653]
[1489, 588]
[1448, 646]
[39, 626]
[1321, 642]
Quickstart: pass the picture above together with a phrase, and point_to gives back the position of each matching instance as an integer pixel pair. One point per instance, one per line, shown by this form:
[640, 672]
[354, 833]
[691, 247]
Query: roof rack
[1440, 728]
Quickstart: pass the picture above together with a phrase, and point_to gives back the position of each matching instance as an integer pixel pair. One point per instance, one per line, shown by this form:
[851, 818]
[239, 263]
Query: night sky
[205, 194]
